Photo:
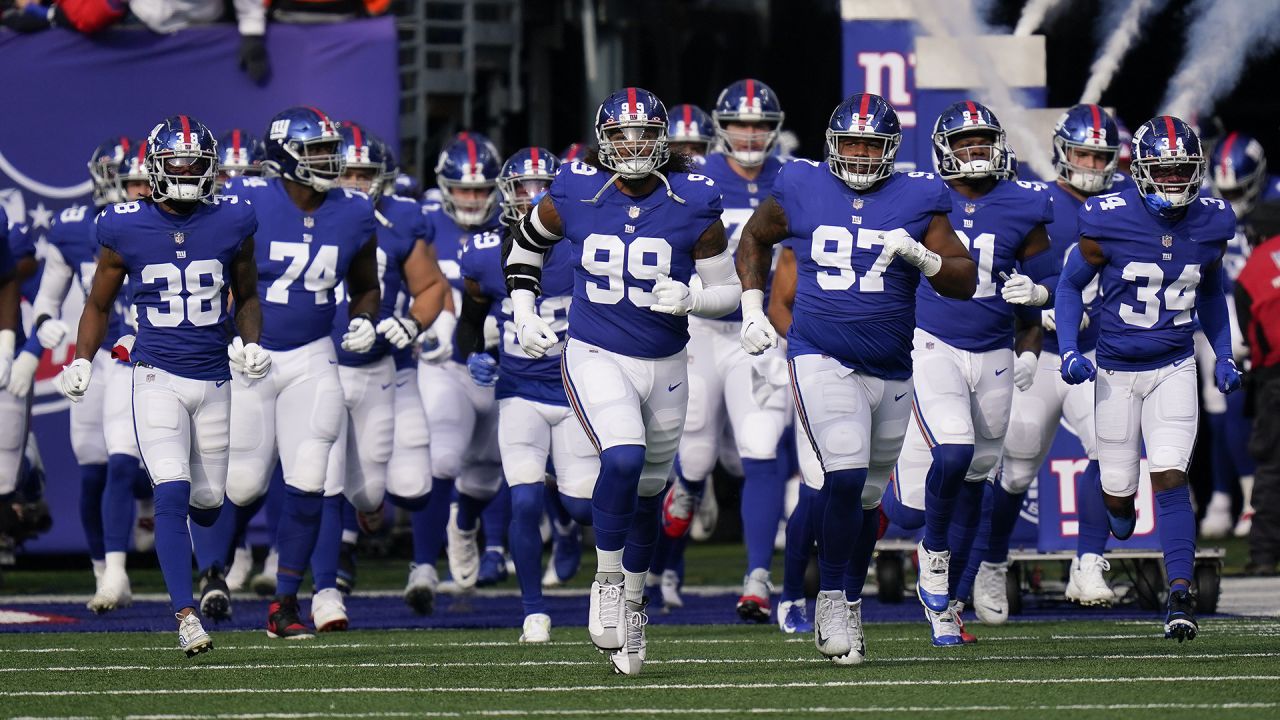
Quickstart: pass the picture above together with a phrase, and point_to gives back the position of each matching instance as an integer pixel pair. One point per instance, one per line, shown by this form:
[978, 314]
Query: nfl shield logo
[970, 208]
[857, 203]
[633, 212]
[1166, 240]
[179, 238]
[308, 222]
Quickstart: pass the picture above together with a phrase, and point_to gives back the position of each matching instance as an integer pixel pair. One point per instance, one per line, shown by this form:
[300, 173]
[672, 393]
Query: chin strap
[670, 193]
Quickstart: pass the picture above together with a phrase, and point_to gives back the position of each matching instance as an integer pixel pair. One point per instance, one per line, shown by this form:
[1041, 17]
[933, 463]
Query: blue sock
[763, 492]
[328, 544]
[215, 543]
[300, 518]
[960, 535]
[906, 518]
[839, 512]
[274, 503]
[469, 509]
[496, 519]
[1091, 511]
[173, 542]
[579, 509]
[613, 504]
[527, 503]
[864, 546]
[1176, 523]
[428, 523]
[638, 553]
[553, 507]
[1005, 508]
[981, 542]
[117, 502]
[795, 560]
[661, 554]
[941, 485]
[93, 483]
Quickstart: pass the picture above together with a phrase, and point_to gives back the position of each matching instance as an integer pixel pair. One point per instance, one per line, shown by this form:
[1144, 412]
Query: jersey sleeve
[938, 197]
[21, 242]
[467, 263]
[1221, 225]
[1045, 207]
[782, 192]
[104, 228]
[710, 206]
[1089, 219]
[559, 190]
[428, 227]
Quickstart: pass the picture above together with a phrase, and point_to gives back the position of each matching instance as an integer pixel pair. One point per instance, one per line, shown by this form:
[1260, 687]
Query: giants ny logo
[877, 65]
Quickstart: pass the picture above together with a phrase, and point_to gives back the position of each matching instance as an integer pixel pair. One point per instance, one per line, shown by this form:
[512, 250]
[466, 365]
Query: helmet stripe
[688, 117]
[631, 100]
[471, 155]
[1173, 135]
[862, 111]
[533, 156]
[357, 136]
[751, 91]
[235, 141]
[124, 144]
[142, 152]
[186, 129]
[973, 112]
[1226, 151]
[1097, 122]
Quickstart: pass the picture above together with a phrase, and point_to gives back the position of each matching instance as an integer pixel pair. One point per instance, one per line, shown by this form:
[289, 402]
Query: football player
[637, 224]
[691, 131]
[1158, 249]
[850, 336]
[182, 250]
[16, 251]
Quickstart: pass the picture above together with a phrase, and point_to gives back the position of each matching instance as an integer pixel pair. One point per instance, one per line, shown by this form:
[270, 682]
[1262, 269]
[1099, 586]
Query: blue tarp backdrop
[65, 93]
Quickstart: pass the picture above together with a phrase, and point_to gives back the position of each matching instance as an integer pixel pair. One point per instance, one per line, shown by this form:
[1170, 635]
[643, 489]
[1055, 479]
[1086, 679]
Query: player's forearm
[9, 304]
[524, 249]
[1044, 270]
[752, 262]
[92, 330]
[1069, 301]
[55, 282]
[957, 278]
[249, 319]
[428, 303]
[365, 302]
[1211, 308]
[469, 334]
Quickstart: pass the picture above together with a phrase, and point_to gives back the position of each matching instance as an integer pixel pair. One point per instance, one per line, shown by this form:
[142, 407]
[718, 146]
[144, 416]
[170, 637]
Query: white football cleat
[629, 659]
[464, 554]
[241, 566]
[858, 646]
[831, 624]
[606, 621]
[670, 588]
[754, 605]
[792, 618]
[264, 583]
[192, 638]
[420, 592]
[943, 628]
[328, 611]
[1087, 585]
[1217, 520]
[931, 585]
[704, 520]
[990, 597]
[113, 590]
[537, 628]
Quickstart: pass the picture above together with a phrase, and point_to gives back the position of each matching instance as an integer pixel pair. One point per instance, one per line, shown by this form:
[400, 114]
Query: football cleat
[670, 589]
[858, 646]
[420, 593]
[113, 591]
[990, 599]
[943, 628]
[1245, 524]
[215, 597]
[931, 585]
[1180, 623]
[704, 520]
[347, 568]
[831, 624]
[537, 628]
[678, 509]
[957, 612]
[792, 618]
[144, 529]
[192, 638]
[264, 583]
[241, 566]
[754, 605]
[629, 659]
[464, 556]
[284, 622]
[328, 612]
[606, 621]
[1217, 520]
[1087, 585]
[493, 568]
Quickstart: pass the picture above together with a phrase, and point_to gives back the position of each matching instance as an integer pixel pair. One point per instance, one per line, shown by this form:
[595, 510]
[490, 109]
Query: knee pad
[651, 485]
[982, 464]
[203, 516]
[480, 481]
[527, 502]
[622, 461]
[759, 437]
[952, 460]
[697, 458]
[1016, 475]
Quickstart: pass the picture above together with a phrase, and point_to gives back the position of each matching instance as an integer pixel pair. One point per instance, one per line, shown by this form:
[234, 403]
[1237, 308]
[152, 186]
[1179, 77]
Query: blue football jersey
[1064, 235]
[993, 228]
[74, 234]
[302, 256]
[855, 301]
[400, 225]
[620, 246]
[179, 270]
[522, 376]
[448, 237]
[740, 198]
[6, 256]
[1151, 276]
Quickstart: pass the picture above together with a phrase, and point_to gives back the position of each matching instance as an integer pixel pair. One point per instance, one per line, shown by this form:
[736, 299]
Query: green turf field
[1079, 670]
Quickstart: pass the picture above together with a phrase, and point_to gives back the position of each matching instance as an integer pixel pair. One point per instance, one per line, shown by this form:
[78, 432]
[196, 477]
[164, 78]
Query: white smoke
[1033, 16]
[1117, 45]
[955, 19]
[1222, 37]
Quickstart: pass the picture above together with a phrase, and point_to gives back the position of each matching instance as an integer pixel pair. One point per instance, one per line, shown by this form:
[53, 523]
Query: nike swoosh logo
[220, 383]
[1179, 362]
[896, 398]
[1001, 372]
[672, 388]
[384, 387]
[402, 384]
[333, 362]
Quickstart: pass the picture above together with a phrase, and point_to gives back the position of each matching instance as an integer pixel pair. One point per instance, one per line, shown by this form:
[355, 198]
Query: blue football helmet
[1010, 162]
[575, 151]
[747, 101]
[239, 153]
[1238, 171]
[104, 168]
[974, 160]
[390, 171]
[688, 124]
[631, 132]
[182, 160]
[302, 146]
[1168, 163]
[871, 119]
[133, 168]
[524, 178]
[470, 162]
[364, 159]
[1086, 132]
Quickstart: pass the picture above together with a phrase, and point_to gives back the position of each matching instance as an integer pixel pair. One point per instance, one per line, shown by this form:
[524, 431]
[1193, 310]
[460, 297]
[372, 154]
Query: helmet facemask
[105, 171]
[1175, 179]
[1088, 179]
[318, 162]
[861, 171]
[750, 142]
[518, 193]
[182, 176]
[633, 149]
[984, 158]
[1241, 191]
[464, 204]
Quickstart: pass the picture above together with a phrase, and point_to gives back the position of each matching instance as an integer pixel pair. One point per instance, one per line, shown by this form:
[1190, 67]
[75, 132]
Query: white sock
[633, 585]
[115, 560]
[608, 561]
[350, 536]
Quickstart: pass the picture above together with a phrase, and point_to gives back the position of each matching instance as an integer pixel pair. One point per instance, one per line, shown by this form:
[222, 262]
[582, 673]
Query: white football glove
[1020, 289]
[492, 335]
[1049, 321]
[437, 341]
[770, 381]
[73, 381]
[1024, 370]
[671, 297]
[757, 334]
[257, 362]
[399, 331]
[51, 333]
[23, 374]
[900, 243]
[360, 335]
[235, 354]
[532, 332]
[8, 339]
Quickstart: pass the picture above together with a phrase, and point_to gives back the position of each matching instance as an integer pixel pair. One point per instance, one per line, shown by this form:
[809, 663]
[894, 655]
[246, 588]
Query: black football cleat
[1180, 623]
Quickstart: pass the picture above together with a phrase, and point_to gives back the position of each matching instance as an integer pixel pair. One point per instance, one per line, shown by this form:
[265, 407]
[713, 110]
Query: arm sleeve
[1211, 307]
[54, 284]
[1069, 301]
[721, 289]
[469, 335]
[1044, 270]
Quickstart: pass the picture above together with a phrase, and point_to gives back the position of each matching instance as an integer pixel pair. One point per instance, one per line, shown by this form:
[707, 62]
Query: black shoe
[283, 621]
[1180, 623]
[215, 597]
[347, 568]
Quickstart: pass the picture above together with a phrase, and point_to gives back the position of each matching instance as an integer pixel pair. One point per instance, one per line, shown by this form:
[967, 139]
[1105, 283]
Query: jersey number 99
[606, 256]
